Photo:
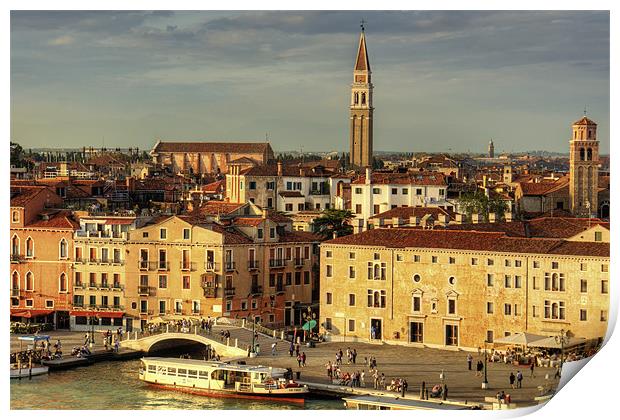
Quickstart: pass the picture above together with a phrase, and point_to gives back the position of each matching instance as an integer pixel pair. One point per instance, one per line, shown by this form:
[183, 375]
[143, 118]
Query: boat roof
[34, 337]
[195, 363]
[406, 403]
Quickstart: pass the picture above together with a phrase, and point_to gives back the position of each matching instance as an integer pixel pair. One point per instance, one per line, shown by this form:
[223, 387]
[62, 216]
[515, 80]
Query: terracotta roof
[299, 236]
[20, 196]
[231, 235]
[420, 178]
[214, 207]
[469, 240]
[59, 220]
[584, 121]
[215, 187]
[536, 188]
[361, 62]
[211, 147]
[291, 194]
[248, 221]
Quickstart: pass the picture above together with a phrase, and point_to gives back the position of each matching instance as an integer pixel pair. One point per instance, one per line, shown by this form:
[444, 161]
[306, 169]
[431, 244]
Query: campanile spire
[361, 109]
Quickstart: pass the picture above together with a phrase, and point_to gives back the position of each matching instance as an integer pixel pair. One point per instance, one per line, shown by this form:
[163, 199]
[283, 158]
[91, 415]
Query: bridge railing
[249, 325]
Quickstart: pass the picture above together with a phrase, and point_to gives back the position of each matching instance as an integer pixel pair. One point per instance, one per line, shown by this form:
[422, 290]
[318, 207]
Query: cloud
[62, 40]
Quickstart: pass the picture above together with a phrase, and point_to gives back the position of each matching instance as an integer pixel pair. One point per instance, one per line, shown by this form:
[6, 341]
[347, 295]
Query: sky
[444, 80]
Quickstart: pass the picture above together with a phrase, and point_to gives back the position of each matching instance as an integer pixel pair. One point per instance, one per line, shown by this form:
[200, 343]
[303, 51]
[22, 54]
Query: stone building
[208, 157]
[583, 189]
[455, 289]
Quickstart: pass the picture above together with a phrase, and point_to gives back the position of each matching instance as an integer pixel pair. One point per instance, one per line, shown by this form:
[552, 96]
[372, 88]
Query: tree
[17, 154]
[333, 221]
[479, 203]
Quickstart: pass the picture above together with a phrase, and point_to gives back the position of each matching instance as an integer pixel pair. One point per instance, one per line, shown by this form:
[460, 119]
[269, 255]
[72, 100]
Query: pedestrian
[249, 349]
[479, 367]
[303, 359]
[354, 355]
[299, 360]
[116, 345]
[328, 366]
[470, 359]
[291, 349]
[362, 381]
[273, 348]
[519, 379]
[405, 385]
[512, 380]
[86, 339]
[532, 369]
[372, 332]
[297, 349]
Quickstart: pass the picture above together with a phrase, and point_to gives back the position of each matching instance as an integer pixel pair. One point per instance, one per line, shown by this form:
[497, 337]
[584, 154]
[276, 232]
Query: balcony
[92, 286]
[117, 261]
[146, 290]
[187, 266]
[253, 265]
[210, 266]
[116, 287]
[229, 291]
[299, 262]
[257, 289]
[147, 265]
[78, 286]
[277, 262]
[209, 291]
[104, 286]
[229, 265]
[163, 266]
[17, 258]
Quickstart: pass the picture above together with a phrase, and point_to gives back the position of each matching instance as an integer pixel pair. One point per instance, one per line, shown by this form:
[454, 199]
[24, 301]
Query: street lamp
[485, 382]
[562, 339]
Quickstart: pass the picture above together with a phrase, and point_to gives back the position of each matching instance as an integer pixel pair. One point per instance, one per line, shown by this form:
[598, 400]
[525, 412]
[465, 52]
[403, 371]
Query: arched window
[15, 245]
[555, 286]
[377, 271]
[62, 282]
[377, 299]
[582, 154]
[363, 98]
[29, 281]
[63, 249]
[554, 311]
[589, 134]
[357, 98]
[589, 153]
[15, 216]
[29, 247]
[15, 283]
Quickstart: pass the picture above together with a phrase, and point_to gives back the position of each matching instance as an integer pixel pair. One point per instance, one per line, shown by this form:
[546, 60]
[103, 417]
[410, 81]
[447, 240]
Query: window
[78, 278]
[186, 282]
[351, 325]
[288, 207]
[399, 257]
[451, 260]
[517, 282]
[328, 324]
[603, 315]
[507, 263]
[604, 268]
[604, 286]
[29, 282]
[416, 258]
[376, 190]
[351, 272]
[417, 303]
[272, 233]
[490, 261]
[63, 249]
[244, 305]
[394, 191]
[555, 282]
[376, 298]
[328, 270]
[474, 261]
[269, 203]
[584, 286]
[535, 284]
[534, 311]
[598, 236]
[351, 299]
[15, 216]
[376, 271]
[376, 209]
[507, 281]
[490, 280]
[416, 278]
[434, 259]
[252, 185]
[186, 233]
[351, 255]
[163, 233]
[259, 233]
[517, 263]
[297, 278]
[507, 309]
[583, 315]
[358, 190]
[417, 332]
[418, 191]
[489, 336]
[489, 307]
[328, 254]
[555, 309]
[452, 280]
[288, 279]
[29, 303]
[163, 281]
[451, 306]
[49, 303]
[536, 264]
[328, 298]
[405, 191]
[583, 267]
[554, 265]
[376, 256]
[301, 206]
[29, 248]
[162, 307]
[145, 234]
[62, 282]
[442, 192]
[516, 309]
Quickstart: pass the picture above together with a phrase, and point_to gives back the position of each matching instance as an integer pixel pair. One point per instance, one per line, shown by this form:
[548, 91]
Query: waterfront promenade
[413, 364]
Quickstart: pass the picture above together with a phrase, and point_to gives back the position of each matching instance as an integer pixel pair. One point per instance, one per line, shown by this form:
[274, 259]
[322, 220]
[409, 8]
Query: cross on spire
[362, 24]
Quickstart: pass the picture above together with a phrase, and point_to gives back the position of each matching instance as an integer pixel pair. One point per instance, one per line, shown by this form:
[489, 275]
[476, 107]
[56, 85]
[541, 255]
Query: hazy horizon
[444, 80]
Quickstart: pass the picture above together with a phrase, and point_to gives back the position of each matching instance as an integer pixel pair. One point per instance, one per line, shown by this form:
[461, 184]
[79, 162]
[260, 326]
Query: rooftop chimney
[368, 175]
[279, 168]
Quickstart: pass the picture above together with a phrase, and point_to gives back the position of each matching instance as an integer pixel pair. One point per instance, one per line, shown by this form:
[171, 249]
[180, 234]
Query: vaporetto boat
[219, 379]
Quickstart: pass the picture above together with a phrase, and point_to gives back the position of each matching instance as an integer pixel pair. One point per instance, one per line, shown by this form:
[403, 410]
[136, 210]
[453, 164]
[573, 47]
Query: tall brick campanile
[361, 109]
[583, 190]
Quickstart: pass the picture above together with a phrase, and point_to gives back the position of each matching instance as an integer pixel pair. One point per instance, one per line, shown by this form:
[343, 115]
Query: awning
[552, 343]
[99, 314]
[520, 339]
[29, 313]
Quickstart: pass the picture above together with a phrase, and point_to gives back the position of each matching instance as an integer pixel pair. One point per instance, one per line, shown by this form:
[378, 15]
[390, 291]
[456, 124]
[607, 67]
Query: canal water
[115, 386]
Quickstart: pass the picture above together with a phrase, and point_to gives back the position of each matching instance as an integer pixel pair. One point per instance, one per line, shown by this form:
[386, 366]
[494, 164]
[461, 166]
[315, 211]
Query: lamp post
[562, 340]
[253, 333]
[485, 382]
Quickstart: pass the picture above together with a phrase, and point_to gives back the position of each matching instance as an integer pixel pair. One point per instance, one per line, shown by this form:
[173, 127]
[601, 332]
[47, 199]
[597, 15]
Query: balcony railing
[229, 265]
[210, 266]
[100, 234]
[257, 289]
[277, 262]
[79, 286]
[163, 265]
[299, 262]
[147, 265]
[253, 265]
[187, 266]
[18, 258]
[145, 290]
[104, 286]
[229, 291]
[117, 287]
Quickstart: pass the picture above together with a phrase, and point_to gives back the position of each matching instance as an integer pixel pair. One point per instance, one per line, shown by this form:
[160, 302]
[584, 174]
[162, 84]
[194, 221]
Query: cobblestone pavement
[416, 365]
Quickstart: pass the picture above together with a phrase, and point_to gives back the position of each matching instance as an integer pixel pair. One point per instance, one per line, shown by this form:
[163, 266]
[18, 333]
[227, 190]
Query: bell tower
[583, 189]
[361, 110]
